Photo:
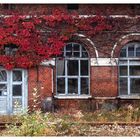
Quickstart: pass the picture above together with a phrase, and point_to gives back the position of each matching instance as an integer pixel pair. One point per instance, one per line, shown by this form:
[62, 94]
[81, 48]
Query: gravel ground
[112, 130]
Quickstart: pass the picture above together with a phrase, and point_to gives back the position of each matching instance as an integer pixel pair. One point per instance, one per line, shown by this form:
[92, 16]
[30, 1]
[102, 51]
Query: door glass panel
[123, 86]
[3, 89]
[72, 67]
[84, 86]
[3, 75]
[134, 70]
[134, 86]
[17, 90]
[84, 67]
[60, 67]
[72, 86]
[17, 75]
[61, 85]
[17, 103]
[123, 70]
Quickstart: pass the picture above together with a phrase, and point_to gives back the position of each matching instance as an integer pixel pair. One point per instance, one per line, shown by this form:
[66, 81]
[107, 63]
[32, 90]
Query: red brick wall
[104, 81]
[43, 82]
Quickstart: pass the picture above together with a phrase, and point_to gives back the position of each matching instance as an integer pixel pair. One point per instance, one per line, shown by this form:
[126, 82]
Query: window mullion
[66, 78]
[79, 78]
[128, 86]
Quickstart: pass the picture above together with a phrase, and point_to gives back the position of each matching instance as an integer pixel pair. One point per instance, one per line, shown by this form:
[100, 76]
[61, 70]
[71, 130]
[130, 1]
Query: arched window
[72, 71]
[129, 70]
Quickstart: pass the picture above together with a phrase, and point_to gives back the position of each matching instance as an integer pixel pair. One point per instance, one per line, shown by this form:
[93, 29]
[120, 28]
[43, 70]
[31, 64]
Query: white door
[13, 91]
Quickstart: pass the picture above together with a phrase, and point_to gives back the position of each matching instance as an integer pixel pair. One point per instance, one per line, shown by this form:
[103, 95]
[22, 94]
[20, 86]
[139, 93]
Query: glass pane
[72, 86]
[17, 75]
[69, 47]
[60, 67]
[83, 49]
[68, 54]
[84, 67]
[76, 47]
[135, 86]
[130, 51]
[123, 53]
[123, 70]
[3, 89]
[123, 86]
[72, 67]
[17, 103]
[3, 75]
[85, 54]
[138, 51]
[60, 85]
[17, 90]
[134, 70]
[134, 62]
[76, 54]
[84, 86]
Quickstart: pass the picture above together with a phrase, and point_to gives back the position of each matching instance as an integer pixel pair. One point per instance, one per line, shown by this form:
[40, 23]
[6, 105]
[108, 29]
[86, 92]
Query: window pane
[130, 51]
[134, 70]
[69, 47]
[17, 103]
[68, 54]
[72, 67]
[17, 90]
[17, 75]
[84, 67]
[3, 75]
[76, 47]
[134, 62]
[123, 70]
[76, 54]
[72, 86]
[60, 67]
[123, 86]
[138, 51]
[135, 86]
[84, 54]
[123, 53]
[3, 89]
[123, 62]
[61, 85]
[84, 86]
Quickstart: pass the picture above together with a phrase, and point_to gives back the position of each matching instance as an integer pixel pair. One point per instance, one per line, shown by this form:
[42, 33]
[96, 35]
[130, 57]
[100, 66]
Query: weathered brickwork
[103, 79]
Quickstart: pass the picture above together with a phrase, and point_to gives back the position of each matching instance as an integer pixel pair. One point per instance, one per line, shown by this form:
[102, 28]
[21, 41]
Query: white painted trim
[90, 41]
[48, 62]
[129, 97]
[73, 96]
[104, 98]
[120, 40]
[104, 62]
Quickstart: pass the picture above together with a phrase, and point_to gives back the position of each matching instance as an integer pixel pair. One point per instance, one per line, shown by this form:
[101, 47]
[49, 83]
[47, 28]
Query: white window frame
[78, 77]
[128, 62]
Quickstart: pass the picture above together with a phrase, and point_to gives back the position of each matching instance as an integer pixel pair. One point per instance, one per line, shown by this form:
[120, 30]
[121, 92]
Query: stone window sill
[129, 97]
[73, 96]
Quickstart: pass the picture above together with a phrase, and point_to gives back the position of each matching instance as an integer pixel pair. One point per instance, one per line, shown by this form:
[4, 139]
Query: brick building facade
[104, 69]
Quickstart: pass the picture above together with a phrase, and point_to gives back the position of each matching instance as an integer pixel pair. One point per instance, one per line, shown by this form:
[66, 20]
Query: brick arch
[122, 42]
[87, 44]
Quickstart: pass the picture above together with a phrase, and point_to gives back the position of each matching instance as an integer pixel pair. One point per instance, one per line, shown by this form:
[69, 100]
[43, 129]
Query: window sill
[72, 96]
[129, 97]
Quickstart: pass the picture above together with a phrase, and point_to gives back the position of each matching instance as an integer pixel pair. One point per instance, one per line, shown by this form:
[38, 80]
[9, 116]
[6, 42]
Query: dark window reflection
[3, 75]
[134, 70]
[130, 51]
[72, 67]
[84, 67]
[17, 90]
[123, 86]
[135, 86]
[17, 75]
[123, 53]
[73, 86]
[123, 70]
[84, 86]
[61, 85]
